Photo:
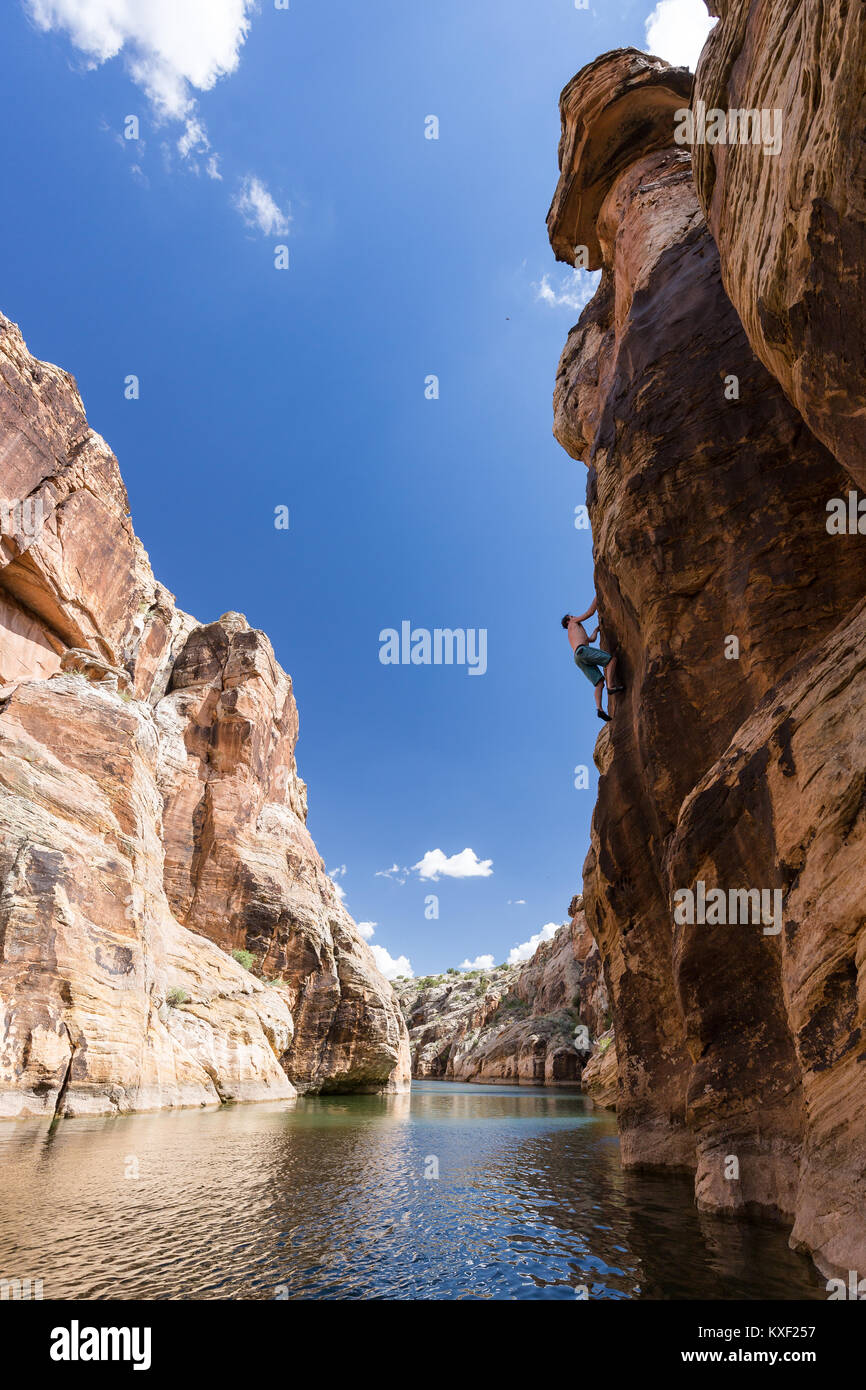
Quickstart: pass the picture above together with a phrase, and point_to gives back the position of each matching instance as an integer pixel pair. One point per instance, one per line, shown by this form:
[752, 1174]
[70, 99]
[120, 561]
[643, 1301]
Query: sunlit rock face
[106, 1002]
[717, 579]
[151, 818]
[791, 226]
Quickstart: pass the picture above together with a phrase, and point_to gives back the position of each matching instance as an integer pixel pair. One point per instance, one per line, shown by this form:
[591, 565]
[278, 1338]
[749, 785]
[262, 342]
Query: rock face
[718, 583]
[518, 1025]
[600, 1076]
[241, 868]
[152, 819]
[791, 227]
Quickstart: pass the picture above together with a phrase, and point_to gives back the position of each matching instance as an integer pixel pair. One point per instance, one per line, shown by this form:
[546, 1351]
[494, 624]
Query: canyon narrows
[539, 1022]
[152, 820]
[660, 1097]
[718, 416]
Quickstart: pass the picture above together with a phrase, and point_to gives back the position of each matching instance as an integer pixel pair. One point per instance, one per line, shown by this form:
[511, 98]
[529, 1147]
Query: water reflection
[337, 1197]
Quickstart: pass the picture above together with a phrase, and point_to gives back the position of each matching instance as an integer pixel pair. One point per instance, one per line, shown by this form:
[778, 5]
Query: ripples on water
[326, 1198]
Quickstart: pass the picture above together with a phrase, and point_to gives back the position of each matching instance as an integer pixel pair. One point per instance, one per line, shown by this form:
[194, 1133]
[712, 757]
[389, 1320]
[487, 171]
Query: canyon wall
[791, 227]
[152, 820]
[732, 757]
[519, 1024]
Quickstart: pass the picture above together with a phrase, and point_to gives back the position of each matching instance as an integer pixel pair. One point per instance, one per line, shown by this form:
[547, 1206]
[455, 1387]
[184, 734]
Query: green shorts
[591, 660]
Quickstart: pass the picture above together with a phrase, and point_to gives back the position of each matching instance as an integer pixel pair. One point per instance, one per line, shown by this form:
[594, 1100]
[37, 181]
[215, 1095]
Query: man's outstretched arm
[589, 612]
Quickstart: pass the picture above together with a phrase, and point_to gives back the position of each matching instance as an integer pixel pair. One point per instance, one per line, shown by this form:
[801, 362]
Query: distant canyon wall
[535, 1023]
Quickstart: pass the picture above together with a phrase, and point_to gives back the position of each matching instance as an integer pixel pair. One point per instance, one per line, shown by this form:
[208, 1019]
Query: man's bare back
[577, 634]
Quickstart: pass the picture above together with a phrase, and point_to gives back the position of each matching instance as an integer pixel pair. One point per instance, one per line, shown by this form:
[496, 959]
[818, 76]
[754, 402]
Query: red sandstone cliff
[791, 228]
[151, 818]
[708, 509]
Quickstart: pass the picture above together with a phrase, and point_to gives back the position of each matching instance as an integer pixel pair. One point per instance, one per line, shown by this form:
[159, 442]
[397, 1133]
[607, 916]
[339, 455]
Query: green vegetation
[244, 958]
[562, 1021]
[513, 1006]
[175, 997]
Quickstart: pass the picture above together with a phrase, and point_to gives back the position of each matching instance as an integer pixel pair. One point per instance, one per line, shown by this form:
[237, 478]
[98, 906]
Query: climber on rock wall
[594, 662]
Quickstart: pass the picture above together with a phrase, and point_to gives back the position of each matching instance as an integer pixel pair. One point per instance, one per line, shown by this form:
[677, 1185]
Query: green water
[338, 1197]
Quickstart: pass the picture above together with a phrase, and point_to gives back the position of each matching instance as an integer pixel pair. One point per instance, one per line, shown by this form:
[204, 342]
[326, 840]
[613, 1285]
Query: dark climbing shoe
[615, 689]
[601, 714]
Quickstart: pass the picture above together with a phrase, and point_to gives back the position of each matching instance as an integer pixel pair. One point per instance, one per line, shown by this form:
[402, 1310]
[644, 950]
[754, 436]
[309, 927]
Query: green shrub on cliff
[244, 958]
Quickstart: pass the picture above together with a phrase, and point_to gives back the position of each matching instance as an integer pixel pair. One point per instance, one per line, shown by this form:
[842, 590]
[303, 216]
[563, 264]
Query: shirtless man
[594, 662]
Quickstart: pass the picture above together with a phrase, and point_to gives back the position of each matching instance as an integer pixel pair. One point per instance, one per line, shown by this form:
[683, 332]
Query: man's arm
[589, 612]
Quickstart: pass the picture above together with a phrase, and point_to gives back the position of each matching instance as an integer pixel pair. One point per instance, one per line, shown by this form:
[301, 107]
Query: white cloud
[171, 49]
[435, 864]
[390, 967]
[677, 31]
[479, 963]
[367, 929]
[516, 902]
[526, 950]
[258, 209]
[194, 139]
[574, 293]
[395, 872]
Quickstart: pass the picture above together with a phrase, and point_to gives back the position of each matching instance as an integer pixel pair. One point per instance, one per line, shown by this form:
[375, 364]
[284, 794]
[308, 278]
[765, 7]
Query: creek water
[454, 1191]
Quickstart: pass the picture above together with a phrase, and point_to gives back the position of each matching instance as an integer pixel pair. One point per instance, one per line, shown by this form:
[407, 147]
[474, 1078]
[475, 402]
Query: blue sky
[305, 388]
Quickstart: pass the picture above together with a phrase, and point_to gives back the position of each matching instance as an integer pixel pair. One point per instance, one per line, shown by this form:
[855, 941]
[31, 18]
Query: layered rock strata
[151, 819]
[721, 588]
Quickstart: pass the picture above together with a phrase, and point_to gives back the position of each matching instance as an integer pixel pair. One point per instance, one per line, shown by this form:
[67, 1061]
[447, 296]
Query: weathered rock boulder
[600, 1075]
[791, 226]
[152, 818]
[716, 577]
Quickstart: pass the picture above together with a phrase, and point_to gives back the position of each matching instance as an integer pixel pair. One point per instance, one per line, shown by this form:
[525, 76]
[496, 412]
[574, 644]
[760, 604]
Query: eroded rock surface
[529, 1024]
[151, 818]
[717, 579]
[600, 1076]
[791, 227]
